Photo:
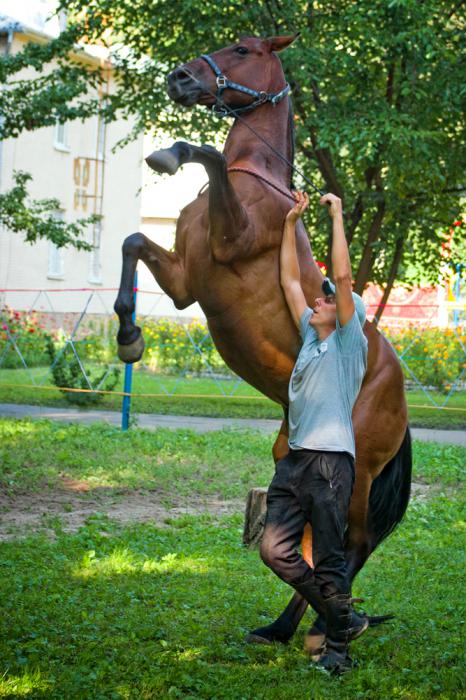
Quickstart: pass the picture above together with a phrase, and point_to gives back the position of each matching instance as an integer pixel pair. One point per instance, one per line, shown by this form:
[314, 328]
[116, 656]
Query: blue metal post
[126, 405]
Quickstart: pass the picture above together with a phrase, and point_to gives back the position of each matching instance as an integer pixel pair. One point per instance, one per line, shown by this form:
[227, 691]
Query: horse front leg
[168, 270]
[231, 233]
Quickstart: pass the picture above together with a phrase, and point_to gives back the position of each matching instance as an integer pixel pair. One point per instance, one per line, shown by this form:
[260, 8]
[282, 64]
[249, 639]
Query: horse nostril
[180, 76]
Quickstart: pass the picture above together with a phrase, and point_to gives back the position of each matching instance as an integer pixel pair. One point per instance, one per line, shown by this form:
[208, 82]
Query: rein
[264, 179]
[229, 111]
[248, 171]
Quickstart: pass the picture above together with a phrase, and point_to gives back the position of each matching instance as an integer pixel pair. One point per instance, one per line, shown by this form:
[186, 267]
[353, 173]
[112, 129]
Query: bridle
[222, 109]
[223, 83]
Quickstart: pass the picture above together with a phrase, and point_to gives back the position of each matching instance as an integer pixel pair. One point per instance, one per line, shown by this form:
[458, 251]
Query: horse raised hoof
[133, 352]
[164, 161]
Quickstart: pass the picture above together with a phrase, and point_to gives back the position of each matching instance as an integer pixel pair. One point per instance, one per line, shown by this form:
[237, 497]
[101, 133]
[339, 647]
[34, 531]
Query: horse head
[241, 76]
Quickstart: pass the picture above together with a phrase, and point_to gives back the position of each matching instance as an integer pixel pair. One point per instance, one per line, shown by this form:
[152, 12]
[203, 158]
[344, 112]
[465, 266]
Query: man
[314, 482]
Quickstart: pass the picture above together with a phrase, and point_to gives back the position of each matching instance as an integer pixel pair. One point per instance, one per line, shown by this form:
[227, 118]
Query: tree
[36, 219]
[377, 91]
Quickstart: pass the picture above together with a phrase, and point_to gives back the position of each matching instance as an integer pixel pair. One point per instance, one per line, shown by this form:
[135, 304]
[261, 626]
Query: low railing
[64, 339]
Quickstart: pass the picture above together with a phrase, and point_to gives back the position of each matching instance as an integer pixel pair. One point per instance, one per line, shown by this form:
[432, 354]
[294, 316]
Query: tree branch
[368, 257]
[397, 256]
[354, 218]
[390, 79]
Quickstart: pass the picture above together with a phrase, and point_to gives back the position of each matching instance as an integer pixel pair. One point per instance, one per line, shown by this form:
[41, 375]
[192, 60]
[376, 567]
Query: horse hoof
[132, 352]
[314, 644]
[257, 639]
[269, 635]
[314, 641]
[163, 161]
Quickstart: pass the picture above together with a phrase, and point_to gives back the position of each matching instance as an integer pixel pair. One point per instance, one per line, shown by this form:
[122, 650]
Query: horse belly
[255, 355]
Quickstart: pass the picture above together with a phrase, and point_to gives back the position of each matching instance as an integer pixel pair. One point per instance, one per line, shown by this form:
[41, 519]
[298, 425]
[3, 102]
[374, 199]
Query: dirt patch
[75, 502]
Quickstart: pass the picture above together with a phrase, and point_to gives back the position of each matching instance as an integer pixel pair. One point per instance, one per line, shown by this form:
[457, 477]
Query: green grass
[452, 417]
[208, 397]
[34, 454]
[140, 612]
[224, 463]
[218, 404]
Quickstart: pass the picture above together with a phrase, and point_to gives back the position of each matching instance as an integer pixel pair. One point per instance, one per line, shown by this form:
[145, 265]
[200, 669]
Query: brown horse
[226, 257]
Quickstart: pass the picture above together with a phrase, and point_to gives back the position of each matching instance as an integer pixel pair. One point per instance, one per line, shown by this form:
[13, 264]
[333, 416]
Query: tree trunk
[354, 219]
[367, 260]
[391, 279]
[254, 520]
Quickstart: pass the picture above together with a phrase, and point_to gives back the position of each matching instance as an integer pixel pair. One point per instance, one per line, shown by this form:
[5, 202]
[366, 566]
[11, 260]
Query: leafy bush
[435, 356]
[30, 336]
[172, 347]
[67, 374]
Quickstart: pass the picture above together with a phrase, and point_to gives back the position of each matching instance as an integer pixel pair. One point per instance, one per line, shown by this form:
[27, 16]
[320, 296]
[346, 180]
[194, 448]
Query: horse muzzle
[182, 88]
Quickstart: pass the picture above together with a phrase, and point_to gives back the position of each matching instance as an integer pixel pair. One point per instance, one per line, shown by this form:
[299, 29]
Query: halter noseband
[224, 84]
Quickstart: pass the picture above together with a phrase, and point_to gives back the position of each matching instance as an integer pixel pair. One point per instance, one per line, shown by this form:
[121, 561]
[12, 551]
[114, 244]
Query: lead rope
[261, 138]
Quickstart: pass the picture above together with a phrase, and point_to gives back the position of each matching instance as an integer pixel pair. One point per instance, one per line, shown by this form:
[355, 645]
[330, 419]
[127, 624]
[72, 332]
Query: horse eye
[242, 50]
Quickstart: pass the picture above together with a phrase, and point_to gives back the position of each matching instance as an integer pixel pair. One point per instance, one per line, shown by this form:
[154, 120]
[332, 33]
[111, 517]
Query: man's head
[325, 309]
[325, 312]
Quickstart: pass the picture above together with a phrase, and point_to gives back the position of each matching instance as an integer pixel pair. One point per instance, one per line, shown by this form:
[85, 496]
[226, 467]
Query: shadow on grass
[138, 612]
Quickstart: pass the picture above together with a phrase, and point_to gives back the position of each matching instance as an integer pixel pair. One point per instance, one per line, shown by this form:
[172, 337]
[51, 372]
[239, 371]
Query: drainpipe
[7, 51]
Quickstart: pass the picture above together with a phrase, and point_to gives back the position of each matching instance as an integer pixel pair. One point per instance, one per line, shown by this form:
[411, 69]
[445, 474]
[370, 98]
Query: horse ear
[278, 43]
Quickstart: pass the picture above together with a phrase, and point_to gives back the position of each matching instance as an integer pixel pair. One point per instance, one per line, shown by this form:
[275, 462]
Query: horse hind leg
[377, 508]
[284, 627]
[168, 270]
[358, 549]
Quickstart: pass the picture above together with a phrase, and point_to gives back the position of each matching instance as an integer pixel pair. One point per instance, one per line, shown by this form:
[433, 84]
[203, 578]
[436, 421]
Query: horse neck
[244, 149]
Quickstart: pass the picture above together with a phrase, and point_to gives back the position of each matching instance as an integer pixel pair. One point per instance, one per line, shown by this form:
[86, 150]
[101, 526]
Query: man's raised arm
[341, 264]
[290, 277]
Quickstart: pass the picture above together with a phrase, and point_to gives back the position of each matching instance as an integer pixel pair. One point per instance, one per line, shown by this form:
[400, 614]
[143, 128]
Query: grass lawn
[144, 611]
[208, 397]
[227, 463]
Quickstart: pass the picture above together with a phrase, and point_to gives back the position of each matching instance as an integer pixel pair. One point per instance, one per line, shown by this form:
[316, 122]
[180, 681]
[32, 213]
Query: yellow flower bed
[176, 347]
[435, 356]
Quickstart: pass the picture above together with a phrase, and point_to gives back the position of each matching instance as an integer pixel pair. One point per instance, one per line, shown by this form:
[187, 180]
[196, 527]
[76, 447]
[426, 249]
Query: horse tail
[390, 491]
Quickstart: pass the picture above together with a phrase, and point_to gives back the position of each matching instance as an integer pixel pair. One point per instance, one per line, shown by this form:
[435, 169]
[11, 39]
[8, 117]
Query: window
[55, 263]
[56, 269]
[61, 137]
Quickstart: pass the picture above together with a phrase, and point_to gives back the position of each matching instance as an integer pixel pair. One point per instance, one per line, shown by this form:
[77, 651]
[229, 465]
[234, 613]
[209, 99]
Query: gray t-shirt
[324, 385]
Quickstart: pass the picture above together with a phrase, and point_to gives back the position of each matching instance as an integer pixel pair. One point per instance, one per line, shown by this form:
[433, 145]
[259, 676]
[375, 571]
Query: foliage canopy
[377, 89]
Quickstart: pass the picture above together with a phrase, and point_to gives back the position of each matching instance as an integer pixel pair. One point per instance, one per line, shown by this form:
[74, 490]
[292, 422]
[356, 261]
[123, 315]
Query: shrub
[435, 356]
[30, 336]
[67, 373]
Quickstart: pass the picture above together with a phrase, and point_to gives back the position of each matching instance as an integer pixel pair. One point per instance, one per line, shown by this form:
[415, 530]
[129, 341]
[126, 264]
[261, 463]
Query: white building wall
[162, 199]
[54, 175]
[134, 199]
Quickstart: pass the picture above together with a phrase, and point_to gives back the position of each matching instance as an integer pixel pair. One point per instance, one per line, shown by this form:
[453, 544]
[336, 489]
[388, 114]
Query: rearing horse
[226, 257]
